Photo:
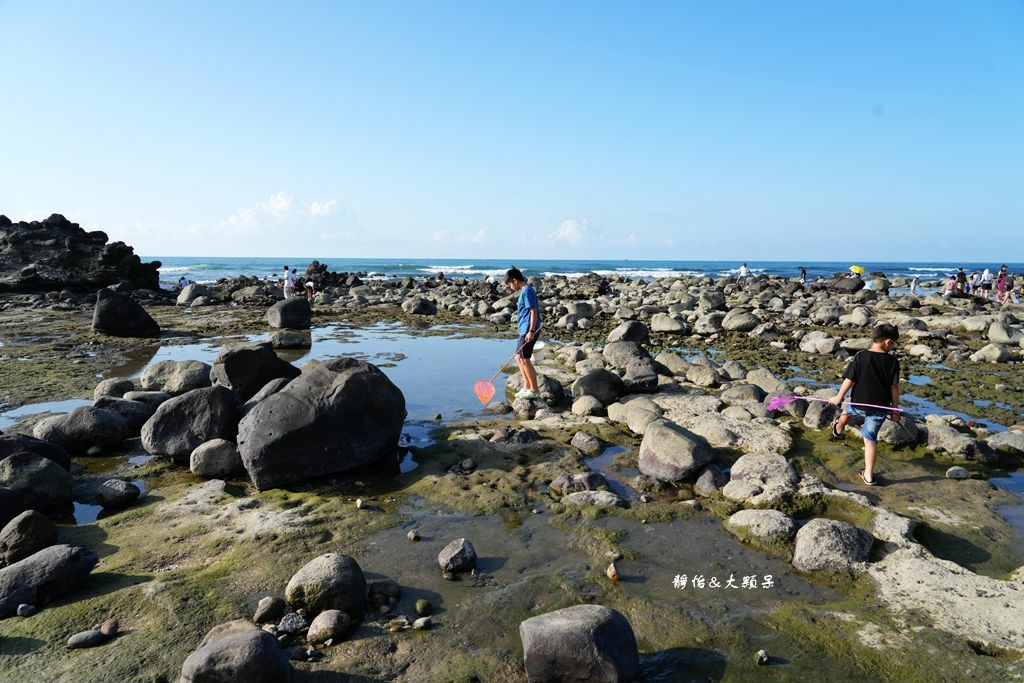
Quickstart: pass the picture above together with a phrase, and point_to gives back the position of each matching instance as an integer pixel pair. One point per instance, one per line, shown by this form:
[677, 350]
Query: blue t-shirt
[527, 300]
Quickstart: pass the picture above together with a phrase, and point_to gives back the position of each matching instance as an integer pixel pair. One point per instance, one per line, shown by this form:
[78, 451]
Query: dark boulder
[631, 331]
[846, 285]
[43, 576]
[25, 535]
[83, 428]
[342, 414]
[184, 422]
[42, 483]
[579, 643]
[292, 313]
[604, 385]
[117, 315]
[246, 368]
[134, 413]
[20, 443]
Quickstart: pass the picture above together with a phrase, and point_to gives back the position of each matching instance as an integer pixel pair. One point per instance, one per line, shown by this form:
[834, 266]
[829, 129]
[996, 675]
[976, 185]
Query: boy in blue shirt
[528, 319]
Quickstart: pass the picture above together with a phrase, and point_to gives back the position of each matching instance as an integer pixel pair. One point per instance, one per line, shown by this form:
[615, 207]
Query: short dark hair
[514, 273]
[885, 331]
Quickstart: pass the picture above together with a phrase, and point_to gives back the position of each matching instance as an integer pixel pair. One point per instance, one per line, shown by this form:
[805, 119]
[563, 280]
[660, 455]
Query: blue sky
[676, 130]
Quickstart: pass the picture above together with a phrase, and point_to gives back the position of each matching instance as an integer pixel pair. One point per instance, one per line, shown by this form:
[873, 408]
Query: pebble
[957, 472]
[437, 416]
[360, 504]
[109, 627]
[762, 657]
[292, 623]
[413, 535]
[423, 607]
[270, 608]
[612, 572]
[26, 610]
[90, 638]
[422, 624]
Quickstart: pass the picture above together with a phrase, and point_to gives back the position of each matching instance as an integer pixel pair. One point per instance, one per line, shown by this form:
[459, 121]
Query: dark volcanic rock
[84, 427]
[292, 314]
[181, 424]
[340, 415]
[25, 535]
[117, 315]
[246, 368]
[46, 575]
[19, 443]
[57, 254]
[42, 483]
[582, 642]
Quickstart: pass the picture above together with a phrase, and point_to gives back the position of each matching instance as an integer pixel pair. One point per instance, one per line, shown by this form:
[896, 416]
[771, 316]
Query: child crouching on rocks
[874, 376]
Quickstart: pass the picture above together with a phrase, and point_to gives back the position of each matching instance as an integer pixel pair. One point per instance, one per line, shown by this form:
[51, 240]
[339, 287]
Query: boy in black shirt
[874, 375]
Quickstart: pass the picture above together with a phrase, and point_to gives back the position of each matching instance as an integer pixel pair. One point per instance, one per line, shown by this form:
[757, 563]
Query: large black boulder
[846, 284]
[579, 643]
[340, 415]
[20, 443]
[48, 574]
[42, 483]
[604, 385]
[246, 368]
[184, 422]
[119, 316]
[292, 313]
[134, 413]
[84, 427]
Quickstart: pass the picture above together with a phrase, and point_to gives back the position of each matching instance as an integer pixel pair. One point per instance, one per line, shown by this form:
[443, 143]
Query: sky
[644, 130]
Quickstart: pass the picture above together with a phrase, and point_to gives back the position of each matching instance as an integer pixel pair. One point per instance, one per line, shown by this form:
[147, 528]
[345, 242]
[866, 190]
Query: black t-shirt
[874, 373]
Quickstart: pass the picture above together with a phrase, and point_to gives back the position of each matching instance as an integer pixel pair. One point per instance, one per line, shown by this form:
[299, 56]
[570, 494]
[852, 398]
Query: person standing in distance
[528, 324]
[289, 282]
[741, 276]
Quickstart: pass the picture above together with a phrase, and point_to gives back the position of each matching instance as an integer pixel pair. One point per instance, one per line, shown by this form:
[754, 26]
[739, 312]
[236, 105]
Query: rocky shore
[278, 537]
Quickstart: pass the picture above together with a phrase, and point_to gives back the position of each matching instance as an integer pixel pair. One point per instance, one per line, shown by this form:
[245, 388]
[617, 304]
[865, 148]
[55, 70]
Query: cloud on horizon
[571, 231]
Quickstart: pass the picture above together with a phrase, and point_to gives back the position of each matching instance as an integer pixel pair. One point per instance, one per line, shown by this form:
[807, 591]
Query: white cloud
[439, 236]
[571, 232]
[251, 218]
[631, 239]
[324, 208]
[480, 237]
[280, 210]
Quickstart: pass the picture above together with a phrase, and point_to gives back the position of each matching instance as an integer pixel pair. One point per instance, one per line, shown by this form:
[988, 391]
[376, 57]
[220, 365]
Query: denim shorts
[873, 421]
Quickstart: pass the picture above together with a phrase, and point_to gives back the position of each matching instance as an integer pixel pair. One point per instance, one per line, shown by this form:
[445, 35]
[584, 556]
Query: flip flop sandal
[836, 434]
[868, 483]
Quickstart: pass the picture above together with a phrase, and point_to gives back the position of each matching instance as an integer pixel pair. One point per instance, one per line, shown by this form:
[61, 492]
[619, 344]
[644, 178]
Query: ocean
[210, 269]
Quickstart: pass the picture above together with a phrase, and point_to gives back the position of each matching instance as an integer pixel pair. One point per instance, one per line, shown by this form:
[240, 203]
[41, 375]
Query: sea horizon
[209, 269]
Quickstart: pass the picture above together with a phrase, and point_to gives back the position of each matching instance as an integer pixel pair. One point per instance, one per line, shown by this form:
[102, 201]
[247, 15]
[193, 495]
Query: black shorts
[526, 348]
